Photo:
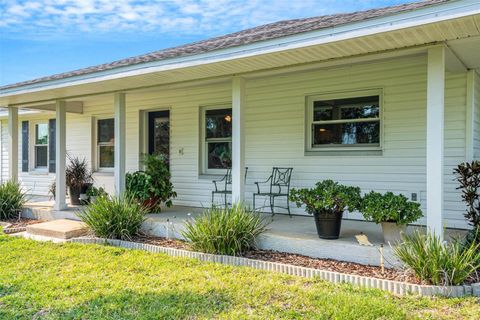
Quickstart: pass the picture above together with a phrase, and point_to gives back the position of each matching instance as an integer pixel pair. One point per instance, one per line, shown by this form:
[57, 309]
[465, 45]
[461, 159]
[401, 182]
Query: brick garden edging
[14, 230]
[395, 287]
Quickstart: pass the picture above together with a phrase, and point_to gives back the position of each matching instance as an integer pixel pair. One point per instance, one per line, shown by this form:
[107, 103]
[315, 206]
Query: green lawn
[74, 281]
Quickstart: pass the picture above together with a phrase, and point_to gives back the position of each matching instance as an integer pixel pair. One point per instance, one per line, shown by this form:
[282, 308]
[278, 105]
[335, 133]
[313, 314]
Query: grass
[74, 281]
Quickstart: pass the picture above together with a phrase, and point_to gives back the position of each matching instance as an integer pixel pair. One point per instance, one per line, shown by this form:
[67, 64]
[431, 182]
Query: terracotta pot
[151, 203]
[328, 224]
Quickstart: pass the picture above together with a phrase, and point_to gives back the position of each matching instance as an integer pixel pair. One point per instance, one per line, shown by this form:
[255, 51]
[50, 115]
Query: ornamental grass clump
[114, 217]
[12, 200]
[436, 262]
[224, 231]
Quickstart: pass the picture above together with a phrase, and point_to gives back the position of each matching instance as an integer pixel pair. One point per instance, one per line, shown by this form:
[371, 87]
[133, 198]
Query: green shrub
[152, 187]
[93, 191]
[389, 207]
[468, 176]
[114, 217]
[327, 196]
[12, 200]
[224, 231]
[436, 262]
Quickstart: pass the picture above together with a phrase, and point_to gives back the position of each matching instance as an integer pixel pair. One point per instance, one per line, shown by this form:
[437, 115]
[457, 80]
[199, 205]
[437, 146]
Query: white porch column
[238, 140]
[470, 115]
[435, 140]
[60, 155]
[119, 106]
[13, 143]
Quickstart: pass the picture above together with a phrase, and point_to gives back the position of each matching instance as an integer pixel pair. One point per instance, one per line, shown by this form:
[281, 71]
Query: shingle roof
[265, 32]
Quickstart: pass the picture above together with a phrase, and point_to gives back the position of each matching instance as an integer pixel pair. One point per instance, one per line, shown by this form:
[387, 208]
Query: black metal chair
[225, 182]
[279, 186]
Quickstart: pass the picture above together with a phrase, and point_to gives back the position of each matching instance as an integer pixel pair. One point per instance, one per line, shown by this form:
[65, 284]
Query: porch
[296, 234]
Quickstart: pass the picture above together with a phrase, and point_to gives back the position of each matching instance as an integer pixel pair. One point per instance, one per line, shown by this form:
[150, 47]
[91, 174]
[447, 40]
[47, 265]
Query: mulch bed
[163, 242]
[299, 260]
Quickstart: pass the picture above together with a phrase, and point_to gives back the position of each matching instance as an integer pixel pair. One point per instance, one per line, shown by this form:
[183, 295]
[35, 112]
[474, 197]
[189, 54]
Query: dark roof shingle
[265, 32]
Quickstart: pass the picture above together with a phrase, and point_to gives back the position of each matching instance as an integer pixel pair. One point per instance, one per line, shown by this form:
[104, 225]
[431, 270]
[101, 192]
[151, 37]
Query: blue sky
[43, 37]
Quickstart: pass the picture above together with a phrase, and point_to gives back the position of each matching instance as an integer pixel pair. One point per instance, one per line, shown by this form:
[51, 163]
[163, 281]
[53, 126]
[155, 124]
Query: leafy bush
[468, 175]
[327, 196]
[152, 187]
[224, 231]
[93, 191]
[114, 217]
[436, 262]
[138, 185]
[389, 207]
[12, 200]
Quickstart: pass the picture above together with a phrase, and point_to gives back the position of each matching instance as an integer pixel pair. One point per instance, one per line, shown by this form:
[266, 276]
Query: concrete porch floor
[293, 235]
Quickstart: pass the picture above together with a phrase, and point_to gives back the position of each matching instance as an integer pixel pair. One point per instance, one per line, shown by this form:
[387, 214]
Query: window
[41, 145]
[105, 143]
[217, 137]
[349, 121]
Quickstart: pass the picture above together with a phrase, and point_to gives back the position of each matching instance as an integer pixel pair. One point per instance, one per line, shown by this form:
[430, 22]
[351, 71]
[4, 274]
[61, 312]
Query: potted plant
[93, 193]
[392, 211]
[152, 187]
[78, 178]
[327, 201]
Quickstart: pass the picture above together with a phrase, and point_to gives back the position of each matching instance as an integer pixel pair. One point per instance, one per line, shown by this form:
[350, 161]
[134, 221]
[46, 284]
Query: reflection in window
[105, 143]
[348, 121]
[218, 138]
[41, 145]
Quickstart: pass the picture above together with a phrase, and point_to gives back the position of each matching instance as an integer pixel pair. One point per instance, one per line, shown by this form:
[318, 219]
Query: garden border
[396, 287]
[14, 230]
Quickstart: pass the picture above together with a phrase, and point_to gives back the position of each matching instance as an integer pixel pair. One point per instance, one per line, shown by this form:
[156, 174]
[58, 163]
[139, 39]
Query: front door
[159, 133]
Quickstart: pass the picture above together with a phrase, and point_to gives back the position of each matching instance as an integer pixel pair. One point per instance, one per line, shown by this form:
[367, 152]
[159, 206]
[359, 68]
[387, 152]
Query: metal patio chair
[279, 186]
[223, 186]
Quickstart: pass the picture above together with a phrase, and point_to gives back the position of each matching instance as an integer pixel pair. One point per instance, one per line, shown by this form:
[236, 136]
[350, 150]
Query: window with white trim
[216, 139]
[105, 144]
[348, 121]
[41, 146]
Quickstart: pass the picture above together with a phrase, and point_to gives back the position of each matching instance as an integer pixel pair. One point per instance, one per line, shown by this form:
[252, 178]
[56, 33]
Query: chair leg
[226, 203]
[288, 208]
[213, 194]
[254, 208]
[272, 205]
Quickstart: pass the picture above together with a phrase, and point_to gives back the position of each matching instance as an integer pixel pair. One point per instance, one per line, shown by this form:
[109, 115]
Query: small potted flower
[392, 211]
[327, 202]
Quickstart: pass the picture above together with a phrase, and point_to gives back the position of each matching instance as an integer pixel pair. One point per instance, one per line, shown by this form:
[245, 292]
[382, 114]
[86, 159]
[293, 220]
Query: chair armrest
[258, 183]
[216, 181]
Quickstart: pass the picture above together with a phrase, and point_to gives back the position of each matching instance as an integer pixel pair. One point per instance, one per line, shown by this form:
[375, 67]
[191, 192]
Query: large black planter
[328, 224]
[75, 196]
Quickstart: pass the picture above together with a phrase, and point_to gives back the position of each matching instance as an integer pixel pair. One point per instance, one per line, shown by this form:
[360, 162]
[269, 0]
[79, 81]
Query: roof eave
[427, 15]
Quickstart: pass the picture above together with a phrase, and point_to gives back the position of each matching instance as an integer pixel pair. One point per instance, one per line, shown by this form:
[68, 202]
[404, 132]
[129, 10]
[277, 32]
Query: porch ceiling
[461, 34]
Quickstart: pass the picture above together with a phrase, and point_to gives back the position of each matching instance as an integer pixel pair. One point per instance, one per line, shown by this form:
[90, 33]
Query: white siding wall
[36, 183]
[275, 116]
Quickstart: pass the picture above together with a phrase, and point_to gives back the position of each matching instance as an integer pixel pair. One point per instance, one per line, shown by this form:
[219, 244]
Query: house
[386, 99]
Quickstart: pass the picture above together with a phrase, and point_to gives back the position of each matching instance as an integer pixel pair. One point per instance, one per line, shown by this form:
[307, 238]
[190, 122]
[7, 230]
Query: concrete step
[60, 229]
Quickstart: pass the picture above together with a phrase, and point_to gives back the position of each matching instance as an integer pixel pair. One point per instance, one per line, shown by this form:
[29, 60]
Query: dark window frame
[310, 146]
